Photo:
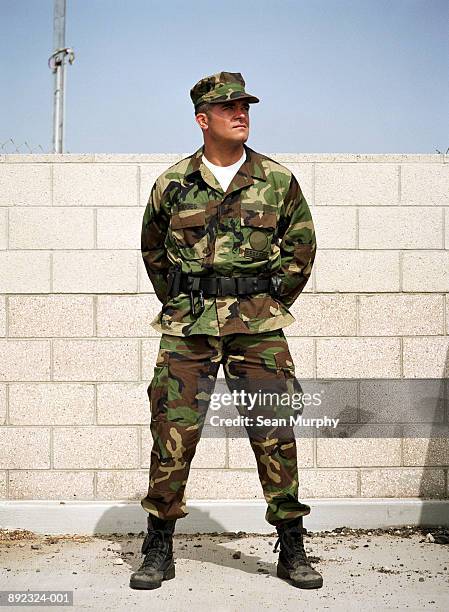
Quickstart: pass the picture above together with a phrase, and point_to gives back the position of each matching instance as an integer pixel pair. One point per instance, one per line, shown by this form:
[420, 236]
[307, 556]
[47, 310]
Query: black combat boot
[157, 547]
[293, 563]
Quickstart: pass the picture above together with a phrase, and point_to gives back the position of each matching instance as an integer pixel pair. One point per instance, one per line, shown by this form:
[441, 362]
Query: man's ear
[202, 120]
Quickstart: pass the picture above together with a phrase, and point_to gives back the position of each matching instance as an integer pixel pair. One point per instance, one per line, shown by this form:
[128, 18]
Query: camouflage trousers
[179, 407]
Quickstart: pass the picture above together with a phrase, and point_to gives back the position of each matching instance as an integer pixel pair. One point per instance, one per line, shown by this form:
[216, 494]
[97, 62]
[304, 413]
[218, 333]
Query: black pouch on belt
[194, 286]
[173, 282]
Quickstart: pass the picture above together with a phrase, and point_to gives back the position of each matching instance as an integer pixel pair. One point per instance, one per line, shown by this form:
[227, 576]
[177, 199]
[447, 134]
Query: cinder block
[95, 272]
[123, 485]
[330, 399]
[301, 350]
[323, 315]
[90, 360]
[95, 447]
[25, 448]
[356, 184]
[25, 185]
[304, 452]
[2, 404]
[148, 175]
[145, 285]
[24, 272]
[401, 407]
[95, 184]
[51, 404]
[398, 315]
[447, 313]
[356, 452]
[303, 174]
[123, 404]
[309, 288]
[446, 223]
[2, 316]
[402, 482]
[50, 315]
[126, 316]
[241, 454]
[119, 228]
[51, 484]
[210, 453]
[354, 271]
[327, 483]
[426, 357]
[51, 228]
[3, 228]
[150, 349]
[426, 451]
[425, 184]
[223, 484]
[400, 228]
[358, 357]
[24, 360]
[335, 227]
[3, 485]
[426, 271]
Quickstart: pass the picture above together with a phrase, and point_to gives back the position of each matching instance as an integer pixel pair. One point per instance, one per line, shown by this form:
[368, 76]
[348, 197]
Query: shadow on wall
[435, 447]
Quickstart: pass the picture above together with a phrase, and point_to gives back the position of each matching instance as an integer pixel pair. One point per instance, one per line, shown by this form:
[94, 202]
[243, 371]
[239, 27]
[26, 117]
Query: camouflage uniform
[261, 226]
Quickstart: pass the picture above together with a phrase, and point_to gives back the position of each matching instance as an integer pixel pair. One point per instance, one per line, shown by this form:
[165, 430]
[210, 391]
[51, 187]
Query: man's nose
[242, 112]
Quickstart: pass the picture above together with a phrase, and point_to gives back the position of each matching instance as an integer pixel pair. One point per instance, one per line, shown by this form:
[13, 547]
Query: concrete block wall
[77, 350]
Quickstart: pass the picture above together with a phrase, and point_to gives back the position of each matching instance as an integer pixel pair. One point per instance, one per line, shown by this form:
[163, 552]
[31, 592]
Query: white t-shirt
[224, 174]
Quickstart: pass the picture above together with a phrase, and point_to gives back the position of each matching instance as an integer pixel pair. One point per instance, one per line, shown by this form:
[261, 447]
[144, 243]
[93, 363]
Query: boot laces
[292, 545]
[156, 544]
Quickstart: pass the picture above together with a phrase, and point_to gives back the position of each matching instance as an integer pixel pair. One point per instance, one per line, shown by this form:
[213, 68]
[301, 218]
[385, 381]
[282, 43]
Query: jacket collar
[250, 169]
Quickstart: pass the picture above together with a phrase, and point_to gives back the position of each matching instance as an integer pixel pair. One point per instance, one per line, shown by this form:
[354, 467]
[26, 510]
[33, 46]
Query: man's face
[226, 121]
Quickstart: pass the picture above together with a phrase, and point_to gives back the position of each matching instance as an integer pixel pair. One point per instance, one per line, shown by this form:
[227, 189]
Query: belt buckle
[226, 285]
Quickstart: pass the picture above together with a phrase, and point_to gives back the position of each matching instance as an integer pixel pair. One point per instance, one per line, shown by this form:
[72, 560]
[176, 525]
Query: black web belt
[225, 285]
[197, 286]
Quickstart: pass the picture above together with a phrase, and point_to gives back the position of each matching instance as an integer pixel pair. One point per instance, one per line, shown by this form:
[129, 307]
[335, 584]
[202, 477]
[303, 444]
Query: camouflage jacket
[261, 225]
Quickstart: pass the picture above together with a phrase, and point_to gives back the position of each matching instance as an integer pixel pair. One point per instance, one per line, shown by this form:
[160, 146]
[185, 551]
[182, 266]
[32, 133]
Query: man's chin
[234, 139]
[241, 138]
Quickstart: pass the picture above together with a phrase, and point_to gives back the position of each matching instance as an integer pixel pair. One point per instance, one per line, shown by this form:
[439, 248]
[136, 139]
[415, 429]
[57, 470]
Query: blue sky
[333, 76]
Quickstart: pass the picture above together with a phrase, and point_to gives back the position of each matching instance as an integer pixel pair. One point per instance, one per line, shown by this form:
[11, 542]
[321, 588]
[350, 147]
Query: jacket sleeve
[154, 229]
[297, 244]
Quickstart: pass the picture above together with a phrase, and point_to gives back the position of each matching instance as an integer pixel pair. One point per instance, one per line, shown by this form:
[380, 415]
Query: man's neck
[220, 155]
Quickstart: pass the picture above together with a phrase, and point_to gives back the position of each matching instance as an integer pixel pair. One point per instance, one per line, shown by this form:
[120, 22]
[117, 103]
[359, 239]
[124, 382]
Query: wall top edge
[164, 158]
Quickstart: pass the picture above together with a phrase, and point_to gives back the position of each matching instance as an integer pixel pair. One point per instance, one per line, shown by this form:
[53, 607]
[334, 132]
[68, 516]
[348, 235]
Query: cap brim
[238, 95]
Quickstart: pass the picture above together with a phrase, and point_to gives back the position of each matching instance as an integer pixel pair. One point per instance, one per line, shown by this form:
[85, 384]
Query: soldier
[228, 243]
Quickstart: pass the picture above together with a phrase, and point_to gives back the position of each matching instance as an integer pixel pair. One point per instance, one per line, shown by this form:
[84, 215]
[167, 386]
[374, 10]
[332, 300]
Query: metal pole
[58, 65]
[59, 43]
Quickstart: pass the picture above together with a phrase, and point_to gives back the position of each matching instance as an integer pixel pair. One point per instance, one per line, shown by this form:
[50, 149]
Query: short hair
[203, 108]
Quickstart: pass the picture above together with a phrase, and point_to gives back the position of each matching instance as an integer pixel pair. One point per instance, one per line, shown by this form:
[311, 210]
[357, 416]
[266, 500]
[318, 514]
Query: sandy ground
[375, 570]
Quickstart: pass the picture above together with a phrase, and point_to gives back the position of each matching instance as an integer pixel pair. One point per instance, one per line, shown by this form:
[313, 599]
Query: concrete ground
[375, 570]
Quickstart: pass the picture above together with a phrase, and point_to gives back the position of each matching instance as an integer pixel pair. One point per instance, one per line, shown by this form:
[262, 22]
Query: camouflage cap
[220, 87]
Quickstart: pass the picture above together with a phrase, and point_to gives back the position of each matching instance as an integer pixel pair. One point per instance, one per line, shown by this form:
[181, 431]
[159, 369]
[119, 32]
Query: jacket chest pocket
[189, 233]
[258, 229]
